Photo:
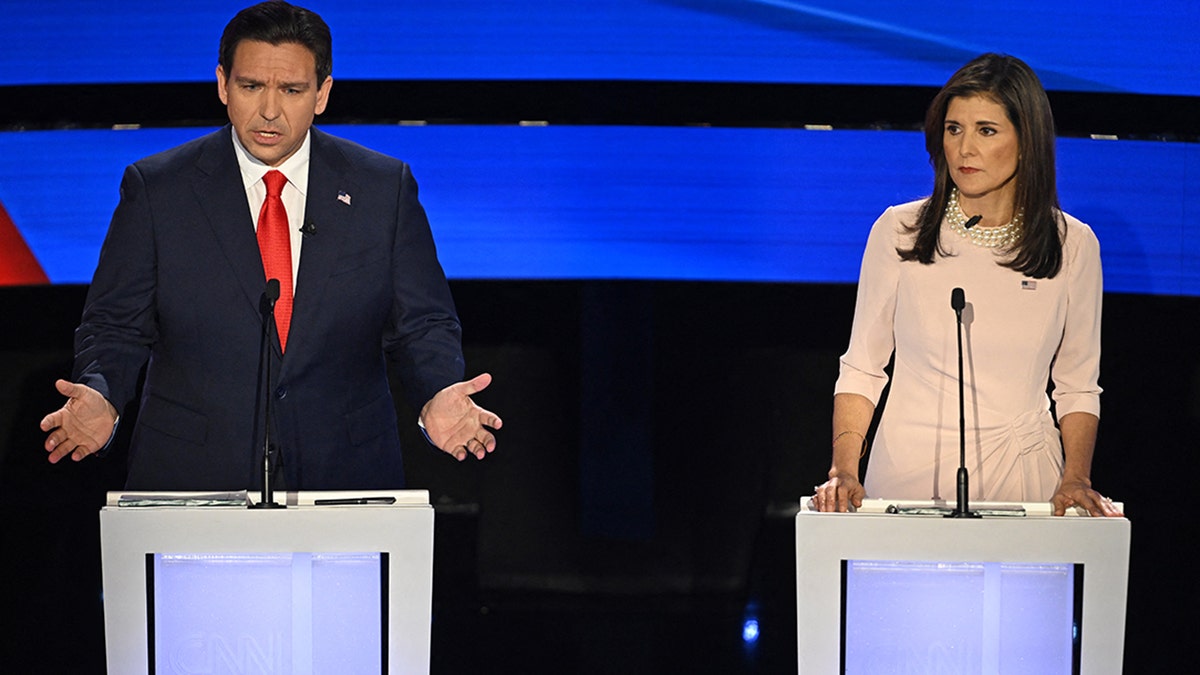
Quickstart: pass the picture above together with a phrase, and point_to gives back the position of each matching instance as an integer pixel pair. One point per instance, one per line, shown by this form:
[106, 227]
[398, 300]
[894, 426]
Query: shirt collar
[295, 167]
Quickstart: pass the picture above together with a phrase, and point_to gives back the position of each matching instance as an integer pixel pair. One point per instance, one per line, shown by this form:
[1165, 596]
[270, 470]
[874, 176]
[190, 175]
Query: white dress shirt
[295, 168]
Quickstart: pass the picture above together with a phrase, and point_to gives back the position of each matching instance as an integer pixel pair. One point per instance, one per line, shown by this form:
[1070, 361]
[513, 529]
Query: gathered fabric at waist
[1020, 460]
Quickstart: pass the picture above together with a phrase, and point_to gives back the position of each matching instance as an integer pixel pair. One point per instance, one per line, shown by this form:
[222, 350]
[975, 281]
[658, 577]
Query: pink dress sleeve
[1076, 369]
[872, 337]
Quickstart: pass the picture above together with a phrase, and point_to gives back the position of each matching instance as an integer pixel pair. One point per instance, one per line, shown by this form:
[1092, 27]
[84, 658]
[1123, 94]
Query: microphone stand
[958, 301]
[267, 497]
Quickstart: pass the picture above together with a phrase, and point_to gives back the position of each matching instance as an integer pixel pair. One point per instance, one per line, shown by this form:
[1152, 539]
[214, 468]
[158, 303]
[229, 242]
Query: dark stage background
[639, 508]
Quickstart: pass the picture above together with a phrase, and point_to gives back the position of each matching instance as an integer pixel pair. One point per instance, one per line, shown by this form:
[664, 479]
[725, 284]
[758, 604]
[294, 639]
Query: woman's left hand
[1079, 492]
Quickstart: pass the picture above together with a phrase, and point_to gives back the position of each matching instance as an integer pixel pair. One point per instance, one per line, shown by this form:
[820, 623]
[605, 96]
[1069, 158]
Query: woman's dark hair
[1011, 83]
[276, 22]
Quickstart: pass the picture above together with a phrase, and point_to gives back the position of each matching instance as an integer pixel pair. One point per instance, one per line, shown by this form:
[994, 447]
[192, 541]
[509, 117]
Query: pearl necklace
[987, 237]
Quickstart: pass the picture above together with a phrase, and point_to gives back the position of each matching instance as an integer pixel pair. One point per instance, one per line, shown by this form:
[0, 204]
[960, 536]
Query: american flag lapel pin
[344, 197]
[1028, 285]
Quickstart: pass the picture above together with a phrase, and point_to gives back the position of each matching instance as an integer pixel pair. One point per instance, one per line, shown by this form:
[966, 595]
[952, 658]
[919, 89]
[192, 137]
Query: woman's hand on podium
[839, 492]
[456, 425]
[1079, 492]
[82, 426]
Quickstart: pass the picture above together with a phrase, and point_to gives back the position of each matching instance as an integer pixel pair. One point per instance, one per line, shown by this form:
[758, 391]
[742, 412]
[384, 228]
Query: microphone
[270, 296]
[308, 229]
[971, 222]
[958, 300]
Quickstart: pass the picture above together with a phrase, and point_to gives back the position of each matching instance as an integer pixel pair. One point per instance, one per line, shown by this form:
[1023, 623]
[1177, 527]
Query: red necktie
[275, 244]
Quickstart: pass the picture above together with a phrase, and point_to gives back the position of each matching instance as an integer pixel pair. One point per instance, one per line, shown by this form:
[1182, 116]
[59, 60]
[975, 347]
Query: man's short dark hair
[276, 22]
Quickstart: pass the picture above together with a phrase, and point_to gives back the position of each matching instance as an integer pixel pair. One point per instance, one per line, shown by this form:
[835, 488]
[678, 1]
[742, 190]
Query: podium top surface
[242, 499]
[879, 506]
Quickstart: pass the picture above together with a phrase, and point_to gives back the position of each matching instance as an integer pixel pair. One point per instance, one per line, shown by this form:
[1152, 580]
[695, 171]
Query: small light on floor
[750, 631]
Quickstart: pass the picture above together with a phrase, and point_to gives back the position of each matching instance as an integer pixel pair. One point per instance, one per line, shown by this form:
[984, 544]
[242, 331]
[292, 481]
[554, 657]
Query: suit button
[281, 392]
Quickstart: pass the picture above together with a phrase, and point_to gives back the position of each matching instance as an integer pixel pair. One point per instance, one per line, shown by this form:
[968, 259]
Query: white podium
[337, 582]
[880, 591]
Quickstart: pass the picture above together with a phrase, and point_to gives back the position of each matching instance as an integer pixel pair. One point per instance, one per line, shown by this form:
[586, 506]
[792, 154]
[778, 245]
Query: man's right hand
[82, 426]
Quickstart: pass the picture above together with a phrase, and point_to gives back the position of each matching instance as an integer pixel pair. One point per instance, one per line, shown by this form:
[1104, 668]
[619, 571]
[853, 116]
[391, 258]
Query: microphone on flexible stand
[958, 301]
[267, 498]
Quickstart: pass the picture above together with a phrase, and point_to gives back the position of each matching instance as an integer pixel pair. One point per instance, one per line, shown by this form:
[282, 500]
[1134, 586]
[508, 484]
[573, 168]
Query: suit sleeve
[424, 339]
[118, 325]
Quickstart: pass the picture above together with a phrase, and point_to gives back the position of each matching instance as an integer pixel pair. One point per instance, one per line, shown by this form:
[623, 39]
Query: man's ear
[323, 95]
[222, 93]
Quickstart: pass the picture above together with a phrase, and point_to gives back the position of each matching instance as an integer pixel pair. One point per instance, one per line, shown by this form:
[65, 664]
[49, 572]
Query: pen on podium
[354, 501]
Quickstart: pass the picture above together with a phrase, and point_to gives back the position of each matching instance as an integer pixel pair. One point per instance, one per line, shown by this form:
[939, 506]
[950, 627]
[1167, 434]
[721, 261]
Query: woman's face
[981, 147]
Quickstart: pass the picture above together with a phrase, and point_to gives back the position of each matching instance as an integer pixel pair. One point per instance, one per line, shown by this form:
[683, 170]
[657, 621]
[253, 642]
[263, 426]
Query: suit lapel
[328, 218]
[222, 197]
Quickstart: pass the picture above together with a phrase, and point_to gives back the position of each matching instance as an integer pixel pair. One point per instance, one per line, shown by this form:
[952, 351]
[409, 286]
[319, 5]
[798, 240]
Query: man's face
[271, 94]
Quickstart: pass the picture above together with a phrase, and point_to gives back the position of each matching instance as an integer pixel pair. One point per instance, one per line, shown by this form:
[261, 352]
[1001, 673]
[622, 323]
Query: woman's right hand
[839, 493]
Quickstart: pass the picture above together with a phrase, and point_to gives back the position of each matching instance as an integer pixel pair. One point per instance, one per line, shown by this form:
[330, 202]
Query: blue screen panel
[314, 612]
[509, 202]
[959, 617]
[1078, 45]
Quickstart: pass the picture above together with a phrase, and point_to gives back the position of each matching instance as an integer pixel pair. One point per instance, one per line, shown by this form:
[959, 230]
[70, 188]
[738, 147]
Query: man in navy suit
[181, 291]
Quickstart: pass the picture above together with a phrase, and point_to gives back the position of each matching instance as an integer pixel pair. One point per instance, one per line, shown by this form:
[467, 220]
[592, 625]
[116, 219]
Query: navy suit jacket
[179, 291]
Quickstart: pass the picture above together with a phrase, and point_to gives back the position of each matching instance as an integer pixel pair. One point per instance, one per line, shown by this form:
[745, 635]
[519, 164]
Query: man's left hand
[456, 425]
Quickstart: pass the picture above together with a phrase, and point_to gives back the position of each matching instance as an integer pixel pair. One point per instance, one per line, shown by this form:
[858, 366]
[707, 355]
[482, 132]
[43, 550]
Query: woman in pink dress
[1032, 283]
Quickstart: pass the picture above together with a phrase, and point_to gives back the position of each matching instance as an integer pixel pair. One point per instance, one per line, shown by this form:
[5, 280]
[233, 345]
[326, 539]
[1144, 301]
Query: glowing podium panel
[337, 582]
[896, 587]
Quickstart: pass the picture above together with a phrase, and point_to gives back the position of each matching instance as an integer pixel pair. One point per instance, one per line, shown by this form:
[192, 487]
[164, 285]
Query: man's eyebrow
[299, 84]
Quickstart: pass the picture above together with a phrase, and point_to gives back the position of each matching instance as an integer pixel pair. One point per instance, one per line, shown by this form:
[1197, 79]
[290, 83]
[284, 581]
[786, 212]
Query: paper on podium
[143, 499]
[243, 498]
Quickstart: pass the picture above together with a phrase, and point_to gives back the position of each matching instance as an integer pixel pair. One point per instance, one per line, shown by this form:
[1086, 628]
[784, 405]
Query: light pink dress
[1018, 333]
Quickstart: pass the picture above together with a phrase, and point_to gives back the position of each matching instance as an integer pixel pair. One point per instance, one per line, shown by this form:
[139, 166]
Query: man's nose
[270, 108]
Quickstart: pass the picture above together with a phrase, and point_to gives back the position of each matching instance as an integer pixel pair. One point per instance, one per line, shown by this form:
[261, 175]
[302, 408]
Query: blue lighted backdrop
[647, 202]
[639, 202]
[1082, 45]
